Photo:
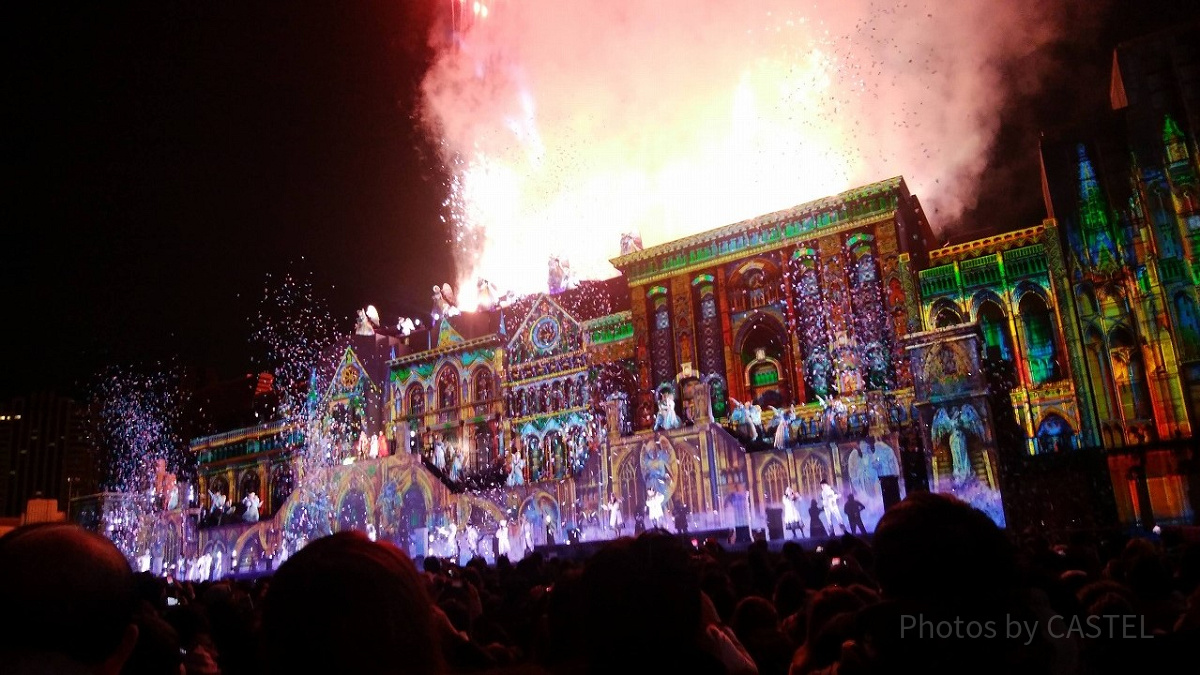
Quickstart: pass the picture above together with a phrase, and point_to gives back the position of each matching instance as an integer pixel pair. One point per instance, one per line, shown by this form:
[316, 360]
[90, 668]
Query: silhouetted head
[753, 613]
[347, 604]
[641, 595]
[935, 547]
[71, 595]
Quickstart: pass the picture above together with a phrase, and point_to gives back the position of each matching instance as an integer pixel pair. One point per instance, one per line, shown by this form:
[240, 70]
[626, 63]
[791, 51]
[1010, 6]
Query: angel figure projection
[444, 302]
[782, 423]
[489, 296]
[955, 429]
[367, 322]
[656, 466]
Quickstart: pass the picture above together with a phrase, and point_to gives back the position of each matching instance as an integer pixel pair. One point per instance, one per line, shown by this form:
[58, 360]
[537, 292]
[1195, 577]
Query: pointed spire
[1174, 141]
[1095, 218]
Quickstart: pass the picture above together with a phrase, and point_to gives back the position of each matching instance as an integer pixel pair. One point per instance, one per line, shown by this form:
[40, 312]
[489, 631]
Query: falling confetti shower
[137, 415]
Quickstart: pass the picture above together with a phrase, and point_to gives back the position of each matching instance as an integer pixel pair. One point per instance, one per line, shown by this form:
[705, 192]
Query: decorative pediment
[350, 378]
[547, 330]
[447, 335]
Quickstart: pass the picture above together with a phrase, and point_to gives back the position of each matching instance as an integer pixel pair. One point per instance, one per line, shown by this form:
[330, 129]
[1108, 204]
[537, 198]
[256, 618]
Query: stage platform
[728, 538]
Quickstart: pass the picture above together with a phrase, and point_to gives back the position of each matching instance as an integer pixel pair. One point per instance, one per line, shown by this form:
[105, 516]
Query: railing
[980, 271]
[938, 280]
[1173, 270]
[1025, 261]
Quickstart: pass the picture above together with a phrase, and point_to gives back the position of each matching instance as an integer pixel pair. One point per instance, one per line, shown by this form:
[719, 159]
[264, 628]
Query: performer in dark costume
[816, 528]
[854, 509]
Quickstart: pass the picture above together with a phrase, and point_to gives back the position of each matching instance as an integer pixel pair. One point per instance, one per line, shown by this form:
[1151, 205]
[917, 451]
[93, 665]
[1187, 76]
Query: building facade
[827, 343]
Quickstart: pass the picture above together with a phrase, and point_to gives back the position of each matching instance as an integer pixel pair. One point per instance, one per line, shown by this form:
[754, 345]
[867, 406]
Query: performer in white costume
[615, 519]
[456, 463]
[654, 508]
[527, 534]
[829, 500]
[252, 502]
[517, 475]
[439, 454]
[666, 419]
[791, 512]
[502, 543]
[218, 507]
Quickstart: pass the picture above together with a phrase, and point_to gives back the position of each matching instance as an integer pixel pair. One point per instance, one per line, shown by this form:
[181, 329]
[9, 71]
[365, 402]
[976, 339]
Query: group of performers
[666, 419]
[447, 459]
[219, 507]
[824, 516]
[504, 537]
[746, 419]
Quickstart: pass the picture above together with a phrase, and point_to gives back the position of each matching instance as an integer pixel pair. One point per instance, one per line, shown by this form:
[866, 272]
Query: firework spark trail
[565, 124]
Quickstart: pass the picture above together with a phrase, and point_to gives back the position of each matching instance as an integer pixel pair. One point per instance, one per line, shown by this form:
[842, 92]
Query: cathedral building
[832, 348]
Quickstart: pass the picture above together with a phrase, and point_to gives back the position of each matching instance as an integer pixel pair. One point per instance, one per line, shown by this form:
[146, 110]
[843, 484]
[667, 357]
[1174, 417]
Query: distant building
[44, 452]
[36, 511]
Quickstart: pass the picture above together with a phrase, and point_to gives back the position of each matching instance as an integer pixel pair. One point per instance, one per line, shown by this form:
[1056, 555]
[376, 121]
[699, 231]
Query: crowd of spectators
[938, 589]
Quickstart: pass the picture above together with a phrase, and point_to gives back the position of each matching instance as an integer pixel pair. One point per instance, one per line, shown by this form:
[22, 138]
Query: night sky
[162, 158]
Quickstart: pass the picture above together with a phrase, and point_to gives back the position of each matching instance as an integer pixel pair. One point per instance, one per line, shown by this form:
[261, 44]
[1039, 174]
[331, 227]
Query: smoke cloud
[567, 123]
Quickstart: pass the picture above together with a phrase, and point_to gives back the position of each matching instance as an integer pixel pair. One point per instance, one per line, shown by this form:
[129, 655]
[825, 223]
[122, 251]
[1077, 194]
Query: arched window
[755, 284]
[756, 289]
[1040, 339]
[868, 316]
[247, 483]
[535, 458]
[662, 343]
[483, 389]
[775, 481]
[762, 350]
[1129, 376]
[946, 314]
[995, 328]
[218, 485]
[555, 450]
[631, 489]
[416, 399]
[1188, 323]
[580, 396]
[281, 485]
[1054, 434]
[946, 317]
[812, 472]
[1099, 374]
[447, 387]
[1113, 304]
[1086, 303]
[687, 490]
